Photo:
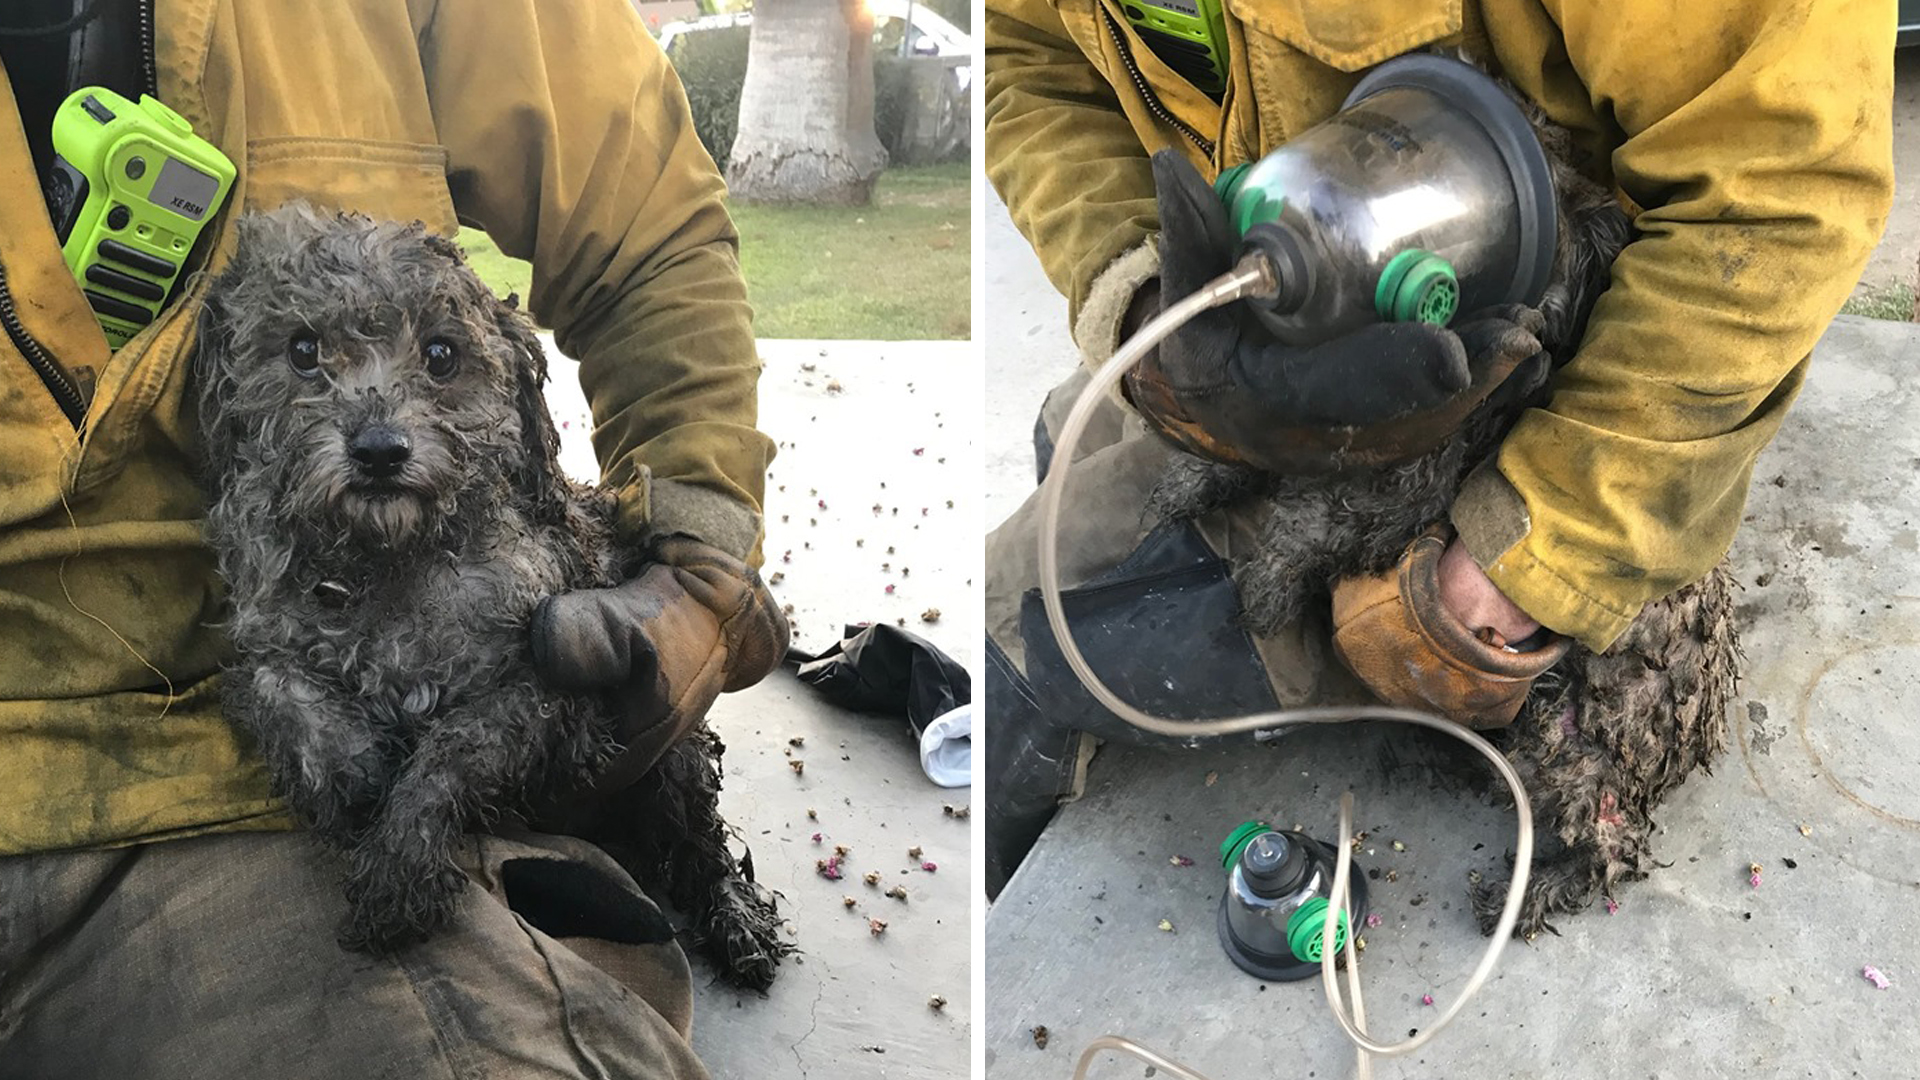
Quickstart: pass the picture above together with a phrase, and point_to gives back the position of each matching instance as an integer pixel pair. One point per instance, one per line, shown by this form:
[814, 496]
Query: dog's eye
[303, 353]
[442, 358]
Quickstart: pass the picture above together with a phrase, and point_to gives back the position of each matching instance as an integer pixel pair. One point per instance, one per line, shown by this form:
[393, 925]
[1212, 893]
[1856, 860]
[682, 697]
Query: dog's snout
[379, 451]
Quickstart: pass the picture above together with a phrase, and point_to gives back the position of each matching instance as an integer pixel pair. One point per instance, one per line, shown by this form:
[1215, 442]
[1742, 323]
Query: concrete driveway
[1897, 259]
[872, 515]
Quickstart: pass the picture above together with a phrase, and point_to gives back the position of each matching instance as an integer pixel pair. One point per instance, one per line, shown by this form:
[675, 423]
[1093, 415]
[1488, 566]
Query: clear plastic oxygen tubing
[1253, 277]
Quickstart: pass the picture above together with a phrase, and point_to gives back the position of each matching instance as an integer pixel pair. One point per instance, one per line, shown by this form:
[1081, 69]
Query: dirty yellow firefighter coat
[560, 129]
[1753, 138]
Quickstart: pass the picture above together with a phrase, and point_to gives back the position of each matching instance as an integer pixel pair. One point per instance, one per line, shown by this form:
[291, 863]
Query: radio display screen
[183, 189]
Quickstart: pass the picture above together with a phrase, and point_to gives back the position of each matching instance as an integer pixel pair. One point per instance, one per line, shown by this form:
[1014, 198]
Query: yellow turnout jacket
[557, 127]
[1752, 137]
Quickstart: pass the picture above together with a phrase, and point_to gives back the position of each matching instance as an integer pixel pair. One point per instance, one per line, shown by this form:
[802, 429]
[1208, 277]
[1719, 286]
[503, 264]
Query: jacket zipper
[1154, 104]
[66, 392]
[149, 68]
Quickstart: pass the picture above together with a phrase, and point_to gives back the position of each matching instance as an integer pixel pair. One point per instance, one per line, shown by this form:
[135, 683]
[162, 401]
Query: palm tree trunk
[806, 110]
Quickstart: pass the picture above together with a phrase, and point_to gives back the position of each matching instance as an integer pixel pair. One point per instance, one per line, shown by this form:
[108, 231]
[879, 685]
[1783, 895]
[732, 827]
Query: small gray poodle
[1602, 737]
[388, 509]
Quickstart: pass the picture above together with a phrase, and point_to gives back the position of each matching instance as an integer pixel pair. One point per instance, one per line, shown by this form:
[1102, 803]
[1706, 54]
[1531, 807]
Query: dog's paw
[336, 798]
[740, 934]
[386, 911]
[1488, 898]
[338, 822]
[1563, 886]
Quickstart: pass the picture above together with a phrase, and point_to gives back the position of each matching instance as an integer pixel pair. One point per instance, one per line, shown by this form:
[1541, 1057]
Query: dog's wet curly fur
[1603, 737]
[387, 507]
[677, 797]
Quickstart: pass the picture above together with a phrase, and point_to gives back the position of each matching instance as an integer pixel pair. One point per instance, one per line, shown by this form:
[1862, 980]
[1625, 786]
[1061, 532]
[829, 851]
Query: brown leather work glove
[697, 623]
[1393, 632]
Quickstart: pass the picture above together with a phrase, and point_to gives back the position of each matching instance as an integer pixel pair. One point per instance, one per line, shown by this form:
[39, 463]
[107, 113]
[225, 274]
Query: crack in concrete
[813, 1024]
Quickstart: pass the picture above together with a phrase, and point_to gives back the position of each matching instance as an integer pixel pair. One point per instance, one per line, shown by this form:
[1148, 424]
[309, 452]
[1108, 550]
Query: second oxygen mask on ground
[1427, 194]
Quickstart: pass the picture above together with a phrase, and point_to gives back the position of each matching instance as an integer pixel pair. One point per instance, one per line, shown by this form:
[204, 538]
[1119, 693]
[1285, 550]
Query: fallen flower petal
[1872, 975]
[929, 867]
[1426, 999]
[1167, 926]
[1373, 920]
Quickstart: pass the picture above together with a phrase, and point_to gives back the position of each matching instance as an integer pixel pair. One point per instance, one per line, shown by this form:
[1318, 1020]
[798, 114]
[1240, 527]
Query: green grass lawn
[1893, 301]
[503, 273]
[895, 270]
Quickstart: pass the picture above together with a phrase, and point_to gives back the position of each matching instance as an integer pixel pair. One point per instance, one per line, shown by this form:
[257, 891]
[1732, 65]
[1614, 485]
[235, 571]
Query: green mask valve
[1417, 286]
[1258, 208]
[1306, 930]
[1237, 841]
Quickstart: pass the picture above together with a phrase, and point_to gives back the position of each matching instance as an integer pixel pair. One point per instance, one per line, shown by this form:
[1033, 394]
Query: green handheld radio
[1189, 36]
[130, 189]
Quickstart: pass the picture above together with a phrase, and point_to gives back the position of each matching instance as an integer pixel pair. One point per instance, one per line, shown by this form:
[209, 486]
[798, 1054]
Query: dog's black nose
[379, 451]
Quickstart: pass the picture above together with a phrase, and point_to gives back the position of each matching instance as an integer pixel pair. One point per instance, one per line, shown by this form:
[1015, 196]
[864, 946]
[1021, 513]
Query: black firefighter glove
[696, 623]
[1223, 387]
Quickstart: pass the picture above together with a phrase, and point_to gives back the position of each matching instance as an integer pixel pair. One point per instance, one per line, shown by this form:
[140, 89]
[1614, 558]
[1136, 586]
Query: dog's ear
[539, 469]
[211, 370]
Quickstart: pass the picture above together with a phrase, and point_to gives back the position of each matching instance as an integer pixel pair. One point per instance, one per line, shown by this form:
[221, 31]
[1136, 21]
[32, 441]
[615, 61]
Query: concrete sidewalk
[1699, 974]
[871, 515]
[1897, 259]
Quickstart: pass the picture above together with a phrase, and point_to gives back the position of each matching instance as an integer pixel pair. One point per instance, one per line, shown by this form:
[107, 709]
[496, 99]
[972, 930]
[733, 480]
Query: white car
[670, 34]
[900, 27]
[930, 34]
